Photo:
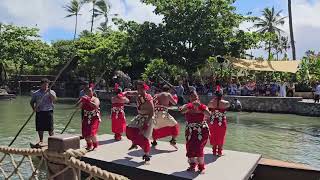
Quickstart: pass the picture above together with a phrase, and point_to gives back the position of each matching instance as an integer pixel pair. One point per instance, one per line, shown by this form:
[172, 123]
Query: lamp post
[220, 61]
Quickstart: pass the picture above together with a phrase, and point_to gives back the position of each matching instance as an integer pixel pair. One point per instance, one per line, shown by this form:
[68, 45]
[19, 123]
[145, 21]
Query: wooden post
[60, 144]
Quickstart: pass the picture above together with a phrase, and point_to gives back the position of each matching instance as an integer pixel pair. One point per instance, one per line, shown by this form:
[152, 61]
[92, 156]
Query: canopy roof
[264, 65]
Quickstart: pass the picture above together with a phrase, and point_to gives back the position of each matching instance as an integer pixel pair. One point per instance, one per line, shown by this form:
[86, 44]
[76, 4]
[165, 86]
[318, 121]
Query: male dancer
[165, 124]
[139, 130]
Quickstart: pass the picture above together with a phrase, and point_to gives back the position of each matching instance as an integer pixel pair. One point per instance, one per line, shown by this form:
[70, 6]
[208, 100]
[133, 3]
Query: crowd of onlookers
[237, 88]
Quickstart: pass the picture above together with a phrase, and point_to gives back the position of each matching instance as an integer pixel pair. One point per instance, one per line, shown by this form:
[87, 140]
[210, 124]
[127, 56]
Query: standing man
[165, 124]
[42, 103]
[180, 92]
[139, 130]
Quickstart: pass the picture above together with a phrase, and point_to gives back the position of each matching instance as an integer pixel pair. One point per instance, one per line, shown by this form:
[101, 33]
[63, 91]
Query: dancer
[117, 113]
[91, 118]
[139, 130]
[197, 132]
[218, 121]
[165, 124]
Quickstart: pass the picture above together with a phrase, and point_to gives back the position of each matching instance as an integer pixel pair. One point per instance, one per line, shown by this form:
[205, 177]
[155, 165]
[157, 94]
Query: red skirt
[89, 130]
[138, 138]
[118, 123]
[218, 133]
[165, 131]
[195, 146]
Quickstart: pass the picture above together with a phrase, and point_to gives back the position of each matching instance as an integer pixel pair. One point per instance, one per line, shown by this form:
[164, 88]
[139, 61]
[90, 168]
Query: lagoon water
[284, 137]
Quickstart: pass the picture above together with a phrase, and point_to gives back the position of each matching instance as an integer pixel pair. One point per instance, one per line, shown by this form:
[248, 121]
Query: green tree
[269, 24]
[192, 31]
[101, 53]
[15, 44]
[293, 46]
[281, 45]
[159, 67]
[73, 9]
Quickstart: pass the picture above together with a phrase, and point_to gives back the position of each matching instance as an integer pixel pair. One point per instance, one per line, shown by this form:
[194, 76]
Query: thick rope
[68, 158]
[21, 151]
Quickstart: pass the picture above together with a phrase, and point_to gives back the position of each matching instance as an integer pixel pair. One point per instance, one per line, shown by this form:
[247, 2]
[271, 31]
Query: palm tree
[103, 9]
[269, 24]
[293, 46]
[73, 8]
[94, 10]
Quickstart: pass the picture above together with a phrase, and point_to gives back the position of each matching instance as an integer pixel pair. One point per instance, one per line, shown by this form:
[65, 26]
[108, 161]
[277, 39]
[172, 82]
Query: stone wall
[291, 105]
[307, 109]
[263, 104]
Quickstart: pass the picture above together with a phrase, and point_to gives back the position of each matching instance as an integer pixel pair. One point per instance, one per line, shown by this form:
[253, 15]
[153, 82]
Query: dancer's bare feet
[133, 146]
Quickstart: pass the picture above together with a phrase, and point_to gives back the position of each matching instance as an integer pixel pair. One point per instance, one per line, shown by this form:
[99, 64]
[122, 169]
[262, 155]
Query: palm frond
[73, 8]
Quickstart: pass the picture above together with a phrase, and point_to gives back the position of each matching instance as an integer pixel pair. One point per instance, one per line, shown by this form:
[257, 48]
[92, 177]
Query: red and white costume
[118, 119]
[141, 123]
[164, 124]
[218, 128]
[196, 133]
[91, 118]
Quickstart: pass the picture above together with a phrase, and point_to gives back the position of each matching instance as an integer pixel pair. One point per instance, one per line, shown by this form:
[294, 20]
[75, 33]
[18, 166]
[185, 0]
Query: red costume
[140, 123]
[218, 127]
[197, 133]
[118, 119]
[91, 118]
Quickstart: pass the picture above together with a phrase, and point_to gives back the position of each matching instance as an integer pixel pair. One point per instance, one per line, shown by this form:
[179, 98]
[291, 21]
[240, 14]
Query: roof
[266, 65]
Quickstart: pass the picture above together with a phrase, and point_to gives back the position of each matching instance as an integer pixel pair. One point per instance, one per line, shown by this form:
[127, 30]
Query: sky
[49, 17]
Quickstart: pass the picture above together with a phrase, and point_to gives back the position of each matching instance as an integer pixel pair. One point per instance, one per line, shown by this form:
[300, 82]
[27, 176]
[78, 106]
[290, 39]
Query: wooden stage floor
[167, 163]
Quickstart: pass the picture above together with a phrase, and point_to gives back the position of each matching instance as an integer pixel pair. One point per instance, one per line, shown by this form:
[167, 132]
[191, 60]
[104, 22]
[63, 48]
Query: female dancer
[117, 113]
[197, 132]
[218, 121]
[91, 119]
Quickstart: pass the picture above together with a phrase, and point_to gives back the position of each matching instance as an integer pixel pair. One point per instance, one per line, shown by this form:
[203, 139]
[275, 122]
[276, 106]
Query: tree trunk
[269, 50]
[75, 28]
[293, 47]
[92, 18]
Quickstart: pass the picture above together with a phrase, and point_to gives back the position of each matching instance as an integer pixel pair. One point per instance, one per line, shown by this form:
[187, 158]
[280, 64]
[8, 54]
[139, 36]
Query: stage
[167, 163]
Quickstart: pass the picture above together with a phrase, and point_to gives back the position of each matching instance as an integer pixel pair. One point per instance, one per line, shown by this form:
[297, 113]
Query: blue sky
[48, 16]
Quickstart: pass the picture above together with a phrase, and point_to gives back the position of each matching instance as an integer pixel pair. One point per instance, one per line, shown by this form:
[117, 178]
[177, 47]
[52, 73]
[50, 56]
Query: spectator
[180, 93]
[291, 89]
[283, 91]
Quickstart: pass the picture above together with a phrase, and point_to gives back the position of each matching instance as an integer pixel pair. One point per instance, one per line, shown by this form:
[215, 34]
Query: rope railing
[70, 159]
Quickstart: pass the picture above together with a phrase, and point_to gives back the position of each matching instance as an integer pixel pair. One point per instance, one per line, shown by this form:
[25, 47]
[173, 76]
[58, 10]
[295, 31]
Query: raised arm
[95, 102]
[130, 93]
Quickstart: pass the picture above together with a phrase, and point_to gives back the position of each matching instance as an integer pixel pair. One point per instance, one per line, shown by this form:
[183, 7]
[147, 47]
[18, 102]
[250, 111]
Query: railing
[11, 166]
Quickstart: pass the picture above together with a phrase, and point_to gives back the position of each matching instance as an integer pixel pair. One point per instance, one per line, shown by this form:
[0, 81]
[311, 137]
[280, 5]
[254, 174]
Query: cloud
[49, 14]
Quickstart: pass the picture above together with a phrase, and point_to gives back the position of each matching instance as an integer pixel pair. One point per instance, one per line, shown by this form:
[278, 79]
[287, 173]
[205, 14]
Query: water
[284, 137]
